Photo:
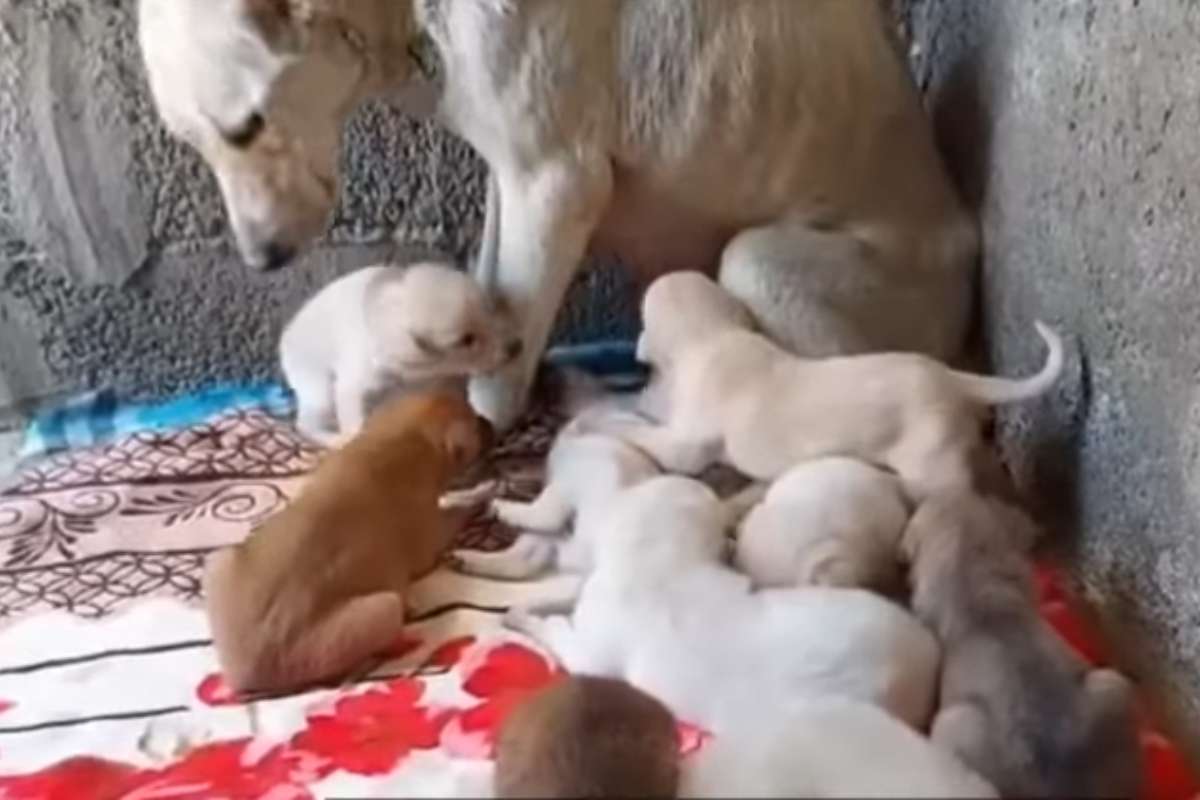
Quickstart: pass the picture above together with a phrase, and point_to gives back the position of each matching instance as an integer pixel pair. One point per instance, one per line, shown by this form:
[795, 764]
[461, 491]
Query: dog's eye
[244, 135]
[468, 340]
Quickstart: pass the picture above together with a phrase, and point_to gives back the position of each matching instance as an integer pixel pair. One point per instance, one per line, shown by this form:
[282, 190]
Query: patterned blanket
[108, 682]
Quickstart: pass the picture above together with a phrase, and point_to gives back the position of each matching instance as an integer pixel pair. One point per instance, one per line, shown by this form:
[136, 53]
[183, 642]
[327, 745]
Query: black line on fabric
[114, 717]
[438, 611]
[67, 661]
[19, 492]
[186, 551]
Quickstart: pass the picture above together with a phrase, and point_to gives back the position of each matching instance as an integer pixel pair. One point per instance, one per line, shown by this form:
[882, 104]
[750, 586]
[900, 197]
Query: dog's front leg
[547, 215]
[554, 633]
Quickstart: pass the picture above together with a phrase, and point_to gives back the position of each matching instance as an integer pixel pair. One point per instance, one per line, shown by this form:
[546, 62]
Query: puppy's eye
[244, 135]
[468, 340]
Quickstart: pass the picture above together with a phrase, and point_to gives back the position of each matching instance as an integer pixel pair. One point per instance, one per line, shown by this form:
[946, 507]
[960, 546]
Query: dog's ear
[277, 21]
[466, 440]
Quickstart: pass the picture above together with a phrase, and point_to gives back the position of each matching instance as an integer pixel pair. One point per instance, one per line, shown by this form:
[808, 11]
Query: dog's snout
[513, 348]
[276, 255]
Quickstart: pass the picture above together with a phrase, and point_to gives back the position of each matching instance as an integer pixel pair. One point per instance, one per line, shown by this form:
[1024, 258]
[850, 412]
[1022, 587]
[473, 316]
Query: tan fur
[320, 586]
[1017, 705]
[588, 737]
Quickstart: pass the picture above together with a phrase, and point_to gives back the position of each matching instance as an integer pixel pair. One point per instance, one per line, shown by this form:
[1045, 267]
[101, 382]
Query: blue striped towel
[101, 416]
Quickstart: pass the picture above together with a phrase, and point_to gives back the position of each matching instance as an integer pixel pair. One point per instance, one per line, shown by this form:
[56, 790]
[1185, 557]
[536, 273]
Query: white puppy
[829, 747]
[661, 611]
[386, 327]
[584, 473]
[731, 394]
[831, 522]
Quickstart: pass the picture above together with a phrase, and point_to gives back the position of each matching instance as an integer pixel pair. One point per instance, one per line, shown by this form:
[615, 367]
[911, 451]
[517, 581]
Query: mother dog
[778, 142]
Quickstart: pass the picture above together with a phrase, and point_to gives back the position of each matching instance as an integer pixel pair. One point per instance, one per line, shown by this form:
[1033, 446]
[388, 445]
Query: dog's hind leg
[314, 401]
[827, 292]
[547, 212]
[338, 642]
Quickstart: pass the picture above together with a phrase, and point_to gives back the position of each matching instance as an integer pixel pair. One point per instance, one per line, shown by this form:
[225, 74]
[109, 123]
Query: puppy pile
[858, 621]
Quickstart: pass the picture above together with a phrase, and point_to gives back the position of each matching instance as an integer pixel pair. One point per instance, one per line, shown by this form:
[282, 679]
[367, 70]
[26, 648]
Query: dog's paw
[510, 512]
[519, 619]
[466, 498]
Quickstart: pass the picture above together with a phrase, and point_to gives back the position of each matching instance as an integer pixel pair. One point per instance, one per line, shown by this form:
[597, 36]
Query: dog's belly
[653, 234]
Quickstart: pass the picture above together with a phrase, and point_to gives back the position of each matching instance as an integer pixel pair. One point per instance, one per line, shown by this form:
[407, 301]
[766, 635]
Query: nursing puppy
[829, 747]
[584, 473]
[382, 328]
[731, 394]
[588, 737]
[826, 522]
[662, 611]
[320, 586]
[1017, 704]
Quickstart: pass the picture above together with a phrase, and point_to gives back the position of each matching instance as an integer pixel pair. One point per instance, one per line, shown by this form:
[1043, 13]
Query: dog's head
[261, 89]
[437, 322]
[681, 309]
[445, 419]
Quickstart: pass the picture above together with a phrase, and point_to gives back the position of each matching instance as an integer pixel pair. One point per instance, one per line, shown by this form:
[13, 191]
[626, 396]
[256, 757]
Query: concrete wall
[1073, 126]
[116, 266]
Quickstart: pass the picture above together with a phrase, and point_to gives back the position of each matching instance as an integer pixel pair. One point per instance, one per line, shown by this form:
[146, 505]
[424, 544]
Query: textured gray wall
[1073, 127]
[116, 266]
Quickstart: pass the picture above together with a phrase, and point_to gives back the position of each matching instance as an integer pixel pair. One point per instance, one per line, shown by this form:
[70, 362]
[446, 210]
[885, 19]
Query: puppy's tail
[991, 390]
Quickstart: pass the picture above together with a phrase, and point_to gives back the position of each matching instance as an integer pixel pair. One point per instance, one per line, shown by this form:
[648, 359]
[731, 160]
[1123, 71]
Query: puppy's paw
[520, 619]
[510, 512]
[466, 498]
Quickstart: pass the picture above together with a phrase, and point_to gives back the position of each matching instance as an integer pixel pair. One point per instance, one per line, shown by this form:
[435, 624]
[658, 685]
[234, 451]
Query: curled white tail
[991, 390]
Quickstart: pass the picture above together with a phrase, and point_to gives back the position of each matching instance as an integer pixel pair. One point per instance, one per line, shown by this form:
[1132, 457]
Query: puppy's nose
[276, 255]
[513, 348]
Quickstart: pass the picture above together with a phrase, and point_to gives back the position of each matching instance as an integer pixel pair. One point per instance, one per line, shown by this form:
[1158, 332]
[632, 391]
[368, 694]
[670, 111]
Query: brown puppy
[588, 737]
[1017, 705]
[320, 586]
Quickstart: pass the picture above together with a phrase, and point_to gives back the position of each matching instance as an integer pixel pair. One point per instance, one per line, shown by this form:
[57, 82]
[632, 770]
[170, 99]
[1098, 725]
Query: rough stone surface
[116, 265]
[1072, 126]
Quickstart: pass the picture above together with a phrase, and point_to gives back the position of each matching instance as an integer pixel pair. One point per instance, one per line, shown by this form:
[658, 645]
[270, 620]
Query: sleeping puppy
[731, 394]
[829, 747]
[584, 472]
[1016, 704]
[584, 736]
[320, 586]
[662, 611]
[827, 522]
[386, 327]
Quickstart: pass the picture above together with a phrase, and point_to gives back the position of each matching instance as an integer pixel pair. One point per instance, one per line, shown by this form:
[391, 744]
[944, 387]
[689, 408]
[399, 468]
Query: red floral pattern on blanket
[369, 733]
[507, 675]
[372, 732]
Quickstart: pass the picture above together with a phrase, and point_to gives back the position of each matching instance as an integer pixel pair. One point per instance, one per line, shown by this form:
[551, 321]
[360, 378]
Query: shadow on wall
[961, 68]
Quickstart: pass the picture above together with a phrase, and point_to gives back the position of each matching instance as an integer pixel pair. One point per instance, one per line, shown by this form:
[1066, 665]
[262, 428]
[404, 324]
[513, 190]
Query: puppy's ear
[277, 21]
[464, 441]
